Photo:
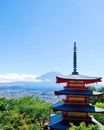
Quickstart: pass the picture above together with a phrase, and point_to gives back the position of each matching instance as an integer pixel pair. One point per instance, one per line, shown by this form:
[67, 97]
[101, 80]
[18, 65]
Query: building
[75, 107]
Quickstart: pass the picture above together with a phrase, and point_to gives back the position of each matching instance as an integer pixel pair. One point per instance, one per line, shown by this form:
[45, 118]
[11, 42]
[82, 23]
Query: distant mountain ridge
[47, 80]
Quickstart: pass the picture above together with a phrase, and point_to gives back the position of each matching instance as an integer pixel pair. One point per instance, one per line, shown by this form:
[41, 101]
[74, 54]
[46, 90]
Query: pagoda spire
[75, 60]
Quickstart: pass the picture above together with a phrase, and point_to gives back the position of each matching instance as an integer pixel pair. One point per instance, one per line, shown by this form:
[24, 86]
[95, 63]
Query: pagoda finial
[75, 60]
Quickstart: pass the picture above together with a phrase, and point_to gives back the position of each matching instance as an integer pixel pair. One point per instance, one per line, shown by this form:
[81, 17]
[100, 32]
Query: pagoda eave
[64, 124]
[84, 79]
[79, 92]
[76, 108]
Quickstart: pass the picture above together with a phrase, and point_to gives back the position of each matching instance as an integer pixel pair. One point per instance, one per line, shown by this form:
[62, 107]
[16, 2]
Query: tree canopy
[26, 113]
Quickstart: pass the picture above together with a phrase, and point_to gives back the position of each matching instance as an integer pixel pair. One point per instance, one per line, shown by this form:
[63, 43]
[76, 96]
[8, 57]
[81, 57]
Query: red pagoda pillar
[75, 107]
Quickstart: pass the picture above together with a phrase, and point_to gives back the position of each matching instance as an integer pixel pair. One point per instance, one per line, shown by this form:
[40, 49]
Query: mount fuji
[45, 81]
[50, 76]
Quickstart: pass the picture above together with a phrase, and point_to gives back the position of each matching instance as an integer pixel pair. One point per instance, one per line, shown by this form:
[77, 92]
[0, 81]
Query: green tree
[83, 126]
[26, 113]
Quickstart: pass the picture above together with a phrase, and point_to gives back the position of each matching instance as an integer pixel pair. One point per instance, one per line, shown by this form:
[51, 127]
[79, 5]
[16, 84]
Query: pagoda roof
[58, 123]
[78, 92]
[78, 77]
[61, 106]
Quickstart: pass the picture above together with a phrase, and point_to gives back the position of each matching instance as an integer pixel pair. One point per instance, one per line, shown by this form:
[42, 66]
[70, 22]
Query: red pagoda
[75, 107]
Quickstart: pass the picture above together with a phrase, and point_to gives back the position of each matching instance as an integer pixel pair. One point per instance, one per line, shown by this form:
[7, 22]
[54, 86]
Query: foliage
[97, 116]
[94, 100]
[92, 88]
[100, 104]
[101, 89]
[83, 126]
[26, 113]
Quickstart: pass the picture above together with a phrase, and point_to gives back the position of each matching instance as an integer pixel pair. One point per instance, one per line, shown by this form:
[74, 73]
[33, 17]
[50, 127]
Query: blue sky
[36, 36]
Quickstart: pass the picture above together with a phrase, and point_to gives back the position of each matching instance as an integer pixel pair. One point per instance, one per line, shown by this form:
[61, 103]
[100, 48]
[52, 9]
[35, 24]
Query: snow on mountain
[50, 76]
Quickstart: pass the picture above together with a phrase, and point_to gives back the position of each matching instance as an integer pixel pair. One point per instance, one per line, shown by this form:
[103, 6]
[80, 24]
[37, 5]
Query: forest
[29, 113]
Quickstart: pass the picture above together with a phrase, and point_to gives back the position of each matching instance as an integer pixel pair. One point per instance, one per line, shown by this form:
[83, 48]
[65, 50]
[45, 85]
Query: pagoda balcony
[78, 118]
[75, 102]
[75, 88]
[76, 99]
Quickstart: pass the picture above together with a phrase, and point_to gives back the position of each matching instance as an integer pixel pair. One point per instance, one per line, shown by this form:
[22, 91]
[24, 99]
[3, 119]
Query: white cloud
[13, 77]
